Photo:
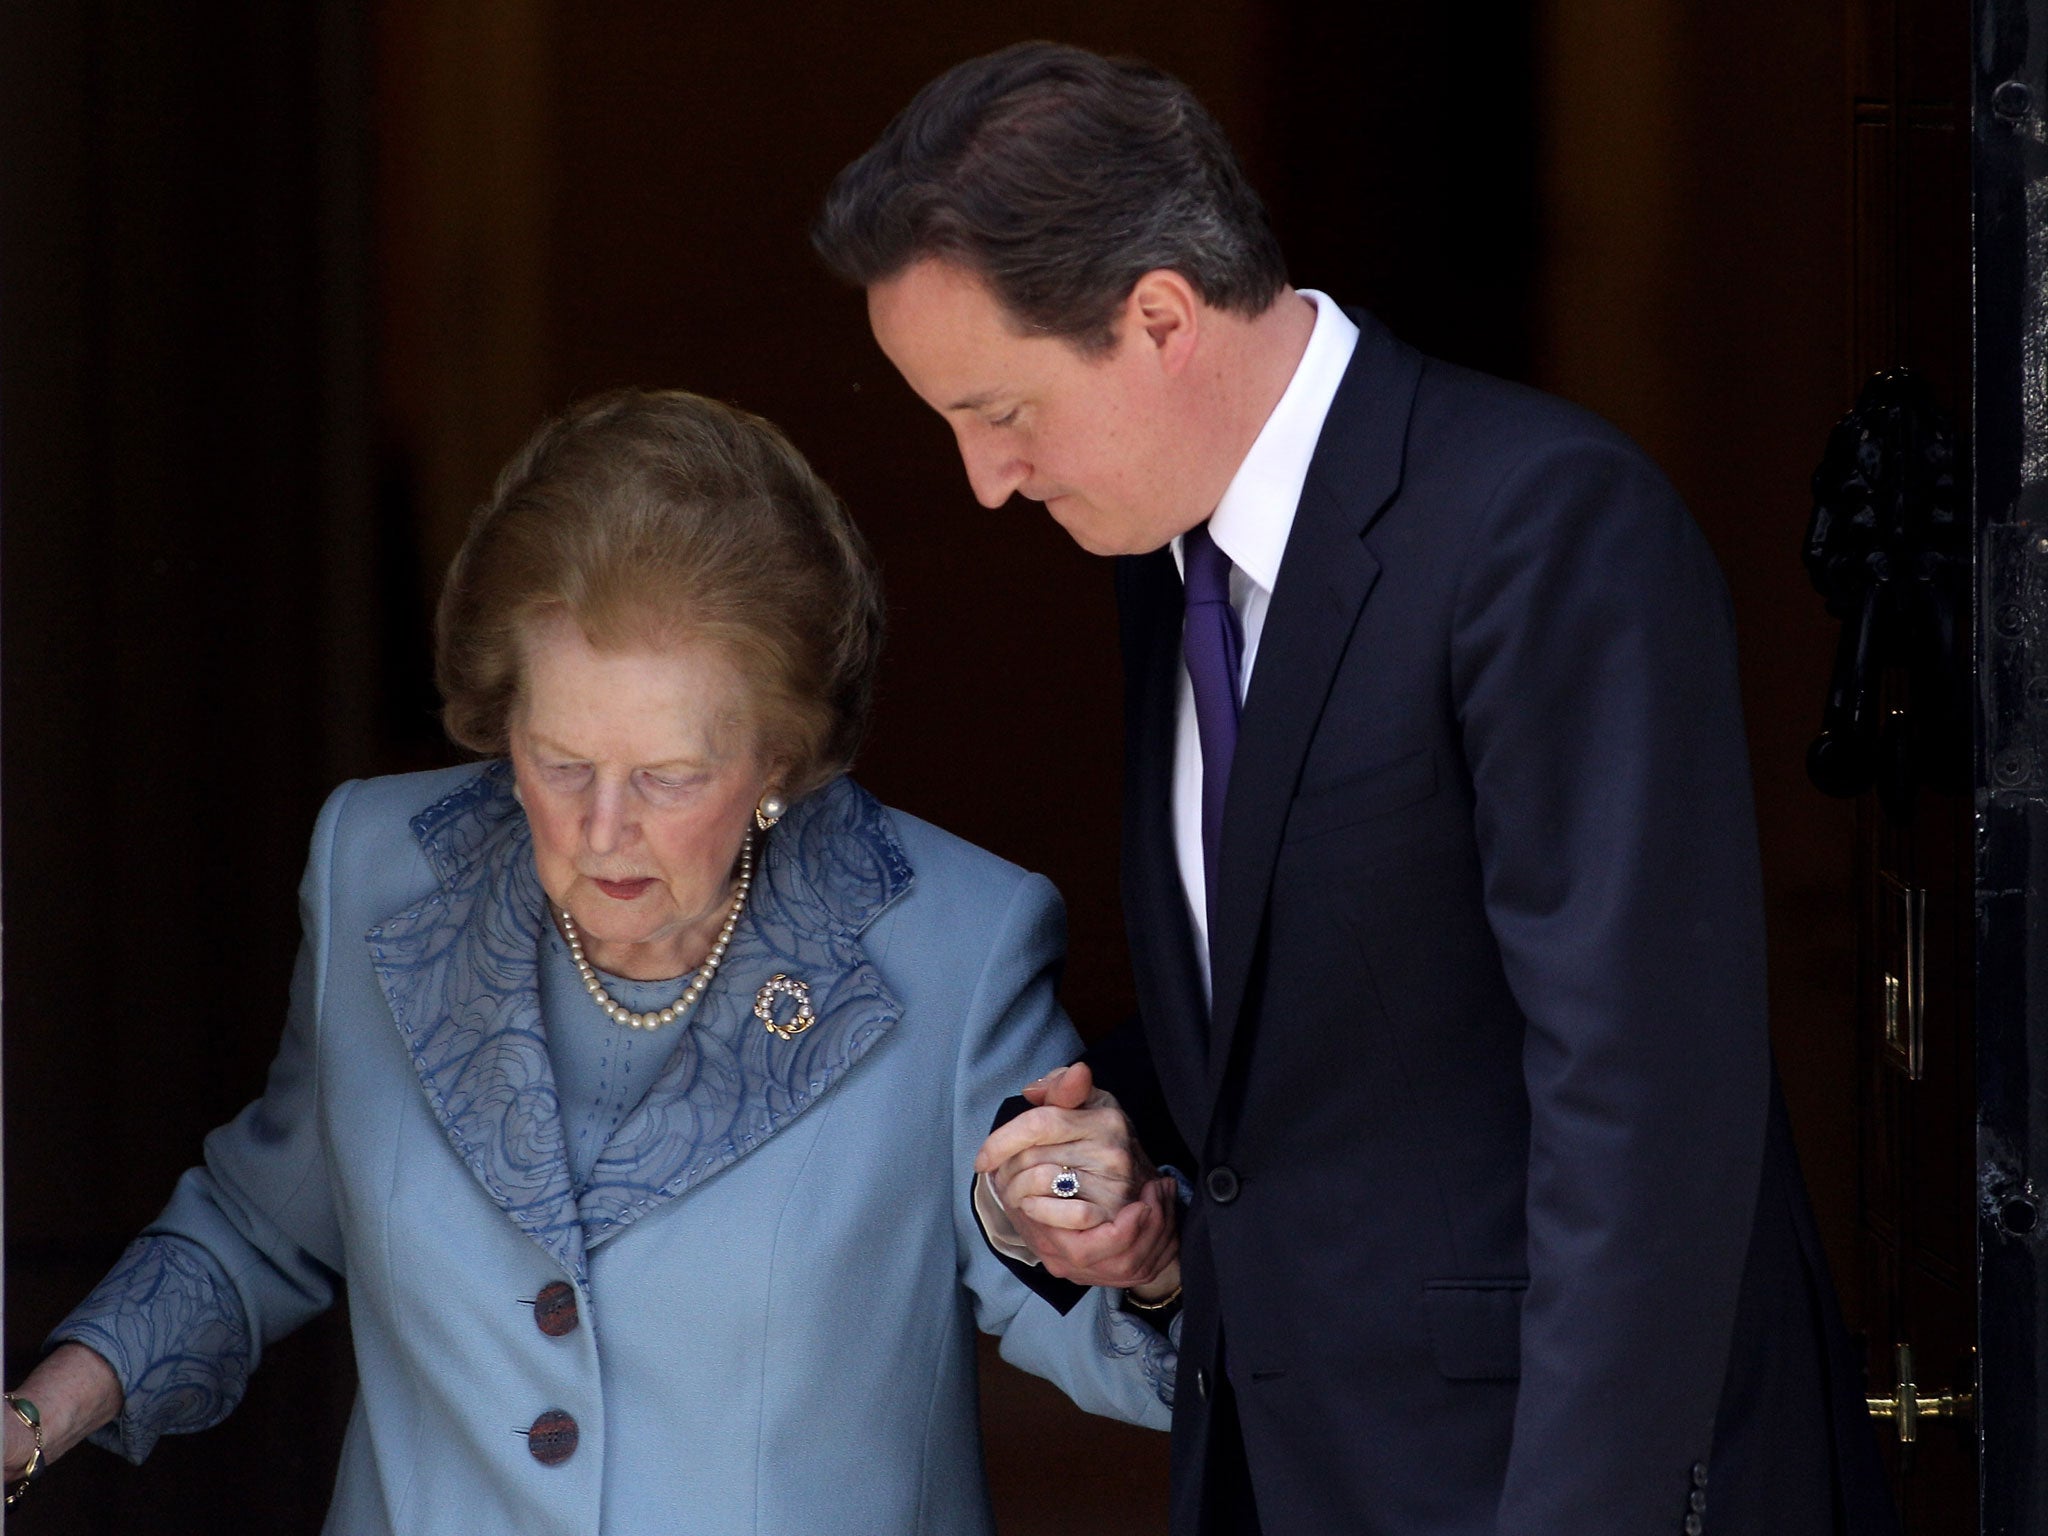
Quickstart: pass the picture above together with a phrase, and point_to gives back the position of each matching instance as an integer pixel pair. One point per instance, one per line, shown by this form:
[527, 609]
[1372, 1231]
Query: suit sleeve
[1107, 1360]
[248, 1248]
[1593, 662]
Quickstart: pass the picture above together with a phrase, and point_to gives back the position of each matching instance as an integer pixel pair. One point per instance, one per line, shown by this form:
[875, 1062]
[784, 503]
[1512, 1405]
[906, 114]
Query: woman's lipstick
[623, 890]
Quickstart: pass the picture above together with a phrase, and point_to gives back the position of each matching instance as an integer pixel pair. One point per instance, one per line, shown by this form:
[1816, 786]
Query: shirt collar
[1252, 521]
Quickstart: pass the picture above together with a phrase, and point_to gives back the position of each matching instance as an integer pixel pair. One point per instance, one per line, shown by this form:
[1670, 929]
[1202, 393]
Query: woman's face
[639, 772]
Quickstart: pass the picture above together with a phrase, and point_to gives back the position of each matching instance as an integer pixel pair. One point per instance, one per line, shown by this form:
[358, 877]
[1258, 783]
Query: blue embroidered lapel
[460, 971]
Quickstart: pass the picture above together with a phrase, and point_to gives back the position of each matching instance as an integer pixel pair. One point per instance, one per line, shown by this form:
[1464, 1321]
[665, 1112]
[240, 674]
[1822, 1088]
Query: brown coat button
[552, 1438]
[554, 1309]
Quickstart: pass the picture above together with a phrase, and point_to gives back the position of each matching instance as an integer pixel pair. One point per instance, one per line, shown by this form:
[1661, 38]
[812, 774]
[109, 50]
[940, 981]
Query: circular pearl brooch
[798, 992]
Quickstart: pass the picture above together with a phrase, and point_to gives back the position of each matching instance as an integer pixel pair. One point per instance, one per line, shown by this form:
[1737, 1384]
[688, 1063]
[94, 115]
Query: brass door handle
[1906, 1408]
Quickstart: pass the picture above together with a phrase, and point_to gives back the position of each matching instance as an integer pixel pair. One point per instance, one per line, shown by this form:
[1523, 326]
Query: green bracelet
[30, 1415]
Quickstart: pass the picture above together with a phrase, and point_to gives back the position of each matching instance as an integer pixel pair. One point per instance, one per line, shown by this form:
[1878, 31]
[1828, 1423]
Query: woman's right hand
[75, 1391]
[21, 1443]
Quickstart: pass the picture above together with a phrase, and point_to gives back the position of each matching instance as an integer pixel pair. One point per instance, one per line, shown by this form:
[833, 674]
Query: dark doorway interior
[280, 288]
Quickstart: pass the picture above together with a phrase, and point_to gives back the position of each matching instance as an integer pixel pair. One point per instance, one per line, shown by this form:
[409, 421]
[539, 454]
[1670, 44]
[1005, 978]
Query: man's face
[1094, 436]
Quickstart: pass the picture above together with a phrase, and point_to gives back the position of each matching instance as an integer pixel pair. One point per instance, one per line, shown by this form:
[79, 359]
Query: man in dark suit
[1439, 866]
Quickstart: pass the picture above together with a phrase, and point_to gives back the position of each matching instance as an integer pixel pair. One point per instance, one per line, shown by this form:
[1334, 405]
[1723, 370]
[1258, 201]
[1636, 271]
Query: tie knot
[1207, 567]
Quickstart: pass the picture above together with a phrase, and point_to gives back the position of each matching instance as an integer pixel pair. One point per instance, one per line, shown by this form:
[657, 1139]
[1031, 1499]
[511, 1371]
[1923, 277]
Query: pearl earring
[770, 810]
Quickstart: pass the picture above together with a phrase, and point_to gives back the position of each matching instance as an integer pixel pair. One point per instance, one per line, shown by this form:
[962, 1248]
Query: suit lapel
[1325, 577]
[1163, 960]
[460, 973]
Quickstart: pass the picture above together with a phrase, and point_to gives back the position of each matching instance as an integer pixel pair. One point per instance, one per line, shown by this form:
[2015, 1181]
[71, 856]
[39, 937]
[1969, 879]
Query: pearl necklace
[620, 1014]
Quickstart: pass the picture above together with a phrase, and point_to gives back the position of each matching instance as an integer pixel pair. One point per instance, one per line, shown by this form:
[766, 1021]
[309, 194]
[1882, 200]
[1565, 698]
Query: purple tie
[1213, 644]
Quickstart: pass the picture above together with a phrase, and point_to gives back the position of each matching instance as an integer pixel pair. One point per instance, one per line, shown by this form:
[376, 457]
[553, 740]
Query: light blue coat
[776, 1264]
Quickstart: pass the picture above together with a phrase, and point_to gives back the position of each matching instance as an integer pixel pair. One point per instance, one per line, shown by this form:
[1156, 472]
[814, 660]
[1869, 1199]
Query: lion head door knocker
[774, 990]
[1889, 550]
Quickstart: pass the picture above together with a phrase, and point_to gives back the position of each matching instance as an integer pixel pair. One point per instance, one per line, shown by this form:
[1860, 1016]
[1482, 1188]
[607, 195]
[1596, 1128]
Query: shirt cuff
[1183, 1187]
[996, 1225]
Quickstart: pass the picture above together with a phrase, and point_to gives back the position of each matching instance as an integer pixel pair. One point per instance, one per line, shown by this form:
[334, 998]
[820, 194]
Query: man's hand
[1123, 1228]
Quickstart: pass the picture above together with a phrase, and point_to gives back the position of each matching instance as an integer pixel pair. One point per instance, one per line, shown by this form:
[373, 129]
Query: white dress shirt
[1250, 525]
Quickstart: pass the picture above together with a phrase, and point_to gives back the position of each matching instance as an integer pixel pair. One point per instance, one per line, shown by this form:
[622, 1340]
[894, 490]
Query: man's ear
[1165, 310]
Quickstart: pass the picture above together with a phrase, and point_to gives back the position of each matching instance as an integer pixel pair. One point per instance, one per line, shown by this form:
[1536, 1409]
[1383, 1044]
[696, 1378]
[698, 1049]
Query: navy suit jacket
[1494, 1205]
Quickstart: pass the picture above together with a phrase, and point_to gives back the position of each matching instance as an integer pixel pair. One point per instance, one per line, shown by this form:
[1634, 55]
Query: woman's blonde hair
[653, 518]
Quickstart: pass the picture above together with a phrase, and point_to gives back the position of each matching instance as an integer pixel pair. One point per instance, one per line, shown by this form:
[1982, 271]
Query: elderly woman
[633, 1079]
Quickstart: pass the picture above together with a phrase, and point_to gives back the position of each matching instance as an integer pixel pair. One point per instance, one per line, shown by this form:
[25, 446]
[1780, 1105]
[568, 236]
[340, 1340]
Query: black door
[1930, 495]
[1889, 546]
[2009, 463]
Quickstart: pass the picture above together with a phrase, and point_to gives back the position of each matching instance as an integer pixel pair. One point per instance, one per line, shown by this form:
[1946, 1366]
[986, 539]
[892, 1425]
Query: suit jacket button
[1693, 1525]
[554, 1309]
[1699, 1474]
[1698, 1501]
[552, 1438]
[1222, 1184]
[1202, 1383]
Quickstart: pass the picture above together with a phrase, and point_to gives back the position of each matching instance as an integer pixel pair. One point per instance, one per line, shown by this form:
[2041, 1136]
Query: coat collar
[460, 971]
